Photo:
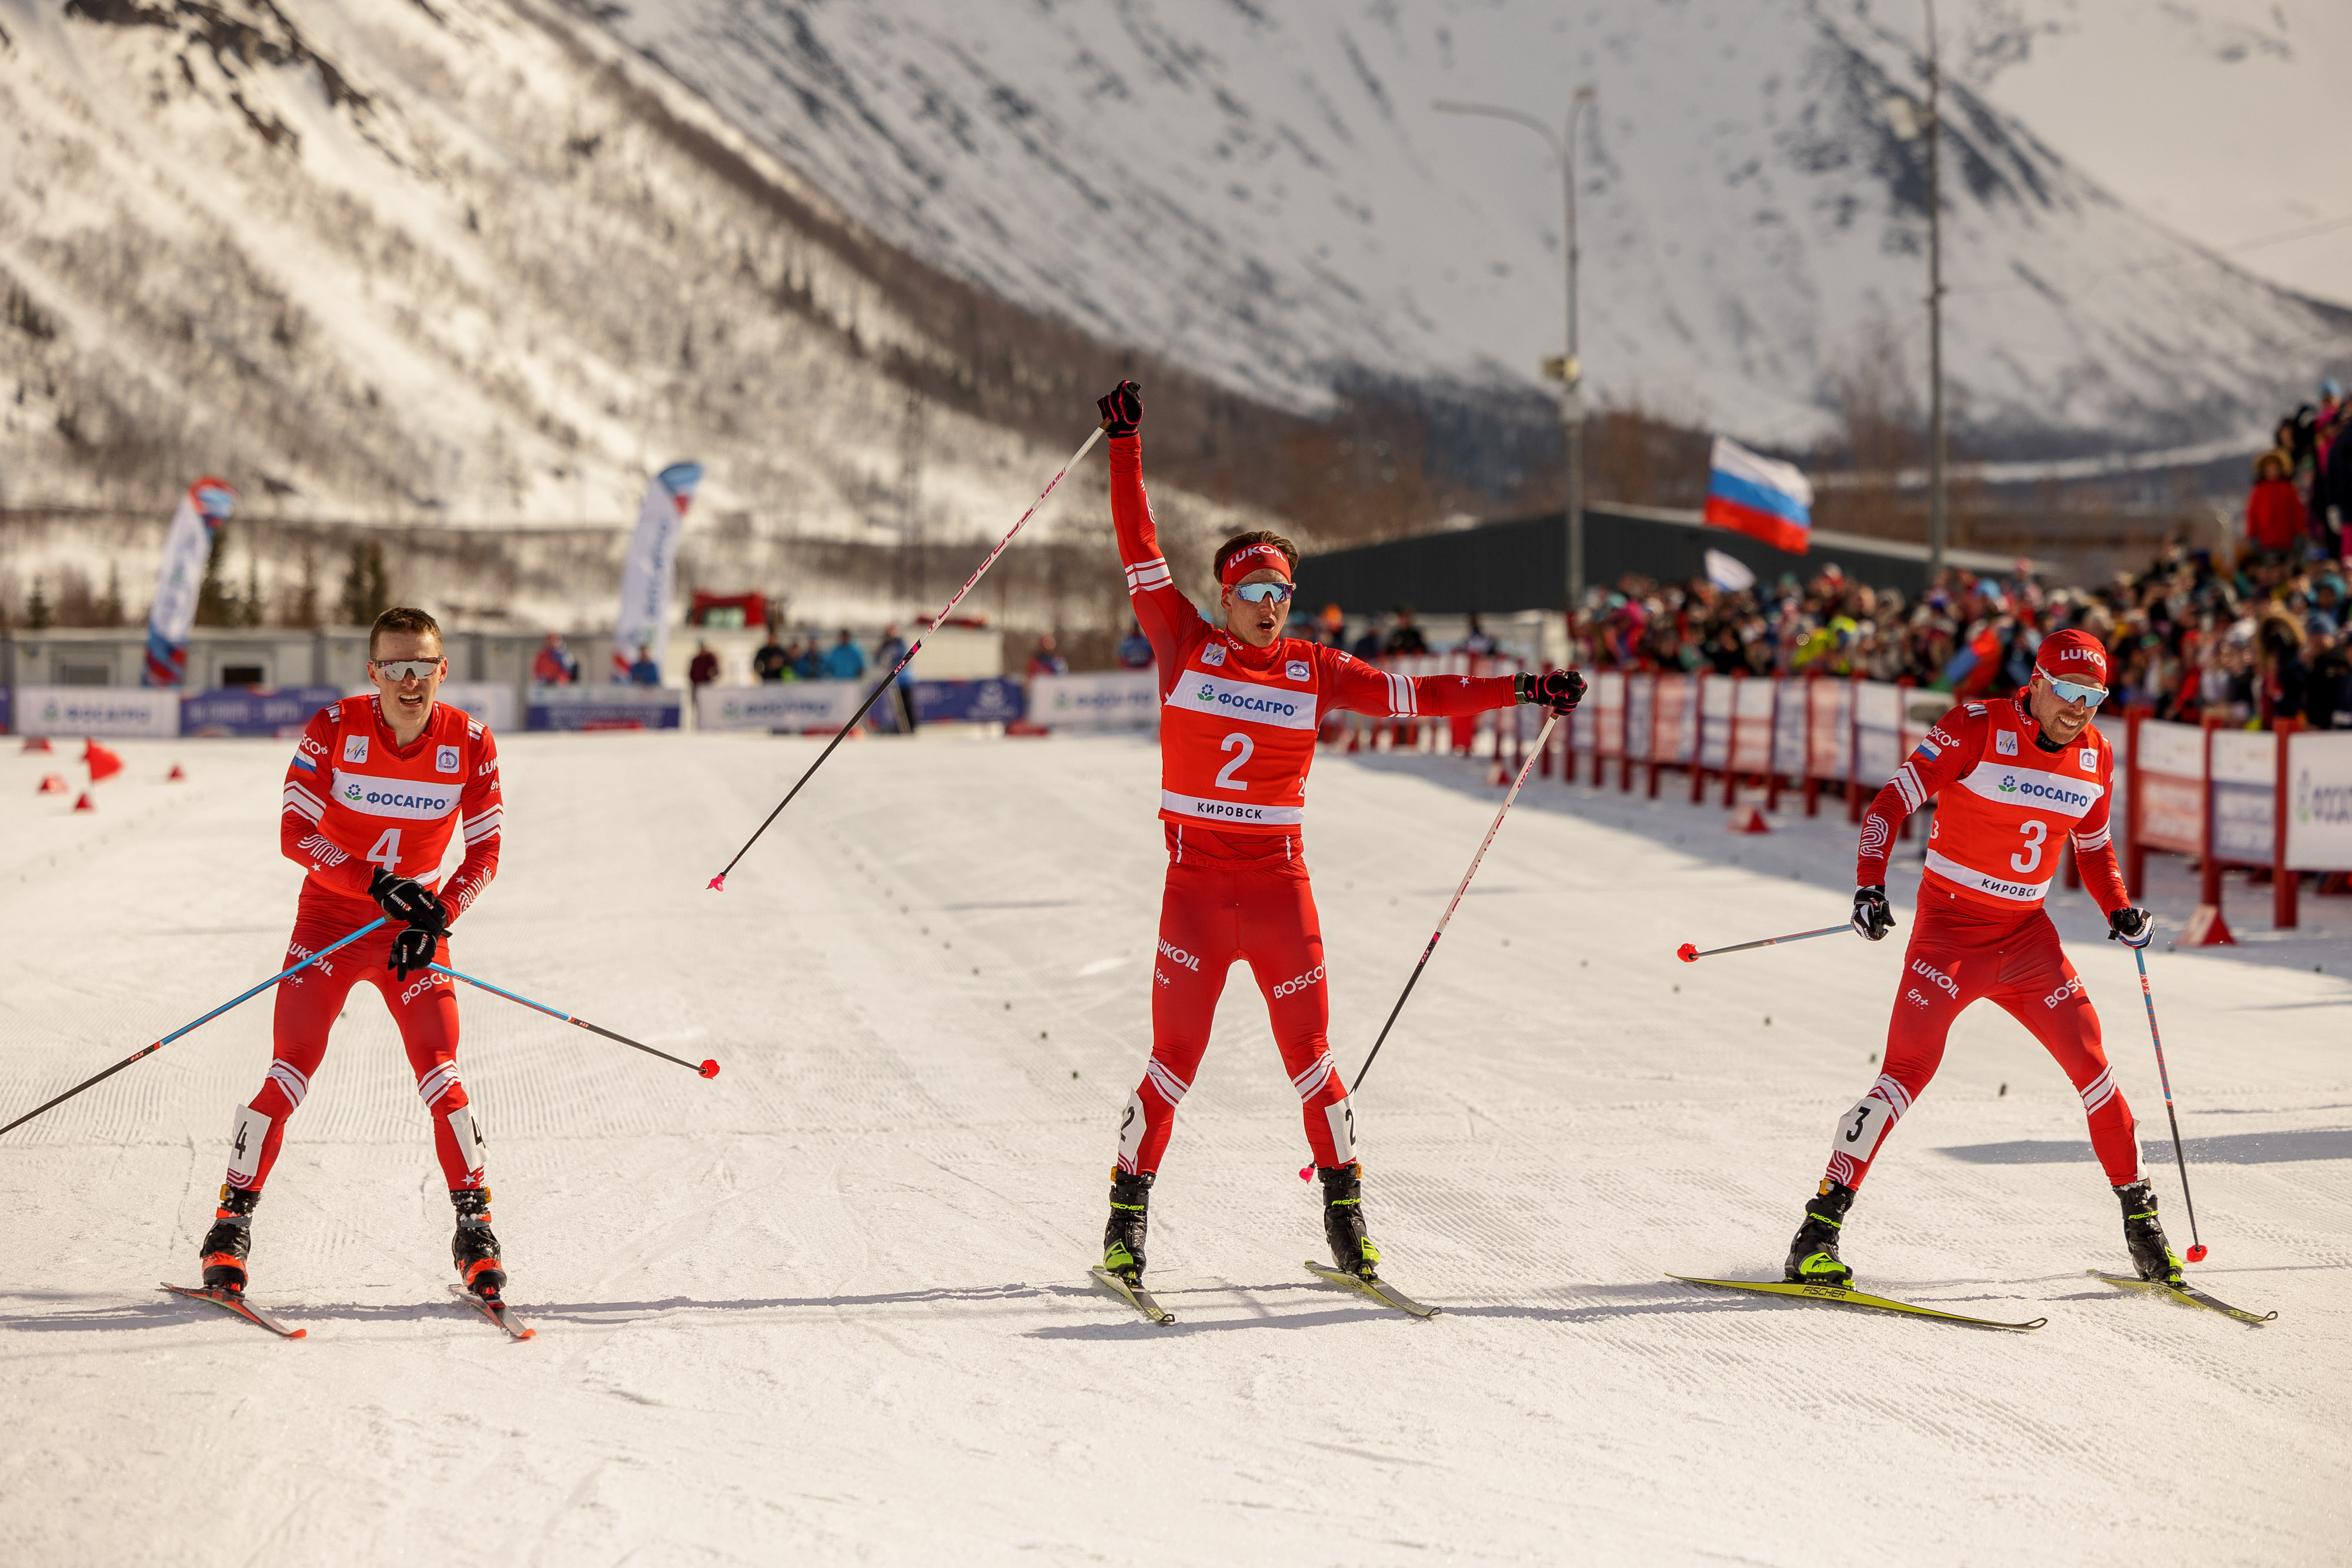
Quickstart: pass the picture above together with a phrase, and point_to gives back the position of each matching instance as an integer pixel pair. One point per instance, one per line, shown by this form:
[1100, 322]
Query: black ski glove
[405, 898]
[413, 949]
[2132, 927]
[1558, 690]
[1122, 409]
[1871, 915]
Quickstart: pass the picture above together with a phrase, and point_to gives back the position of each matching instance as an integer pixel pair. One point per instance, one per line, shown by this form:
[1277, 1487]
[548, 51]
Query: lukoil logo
[1942, 981]
[1178, 955]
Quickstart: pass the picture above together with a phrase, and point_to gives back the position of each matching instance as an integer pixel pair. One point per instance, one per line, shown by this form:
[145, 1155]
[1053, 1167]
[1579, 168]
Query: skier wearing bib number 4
[2016, 775]
[1240, 707]
[377, 788]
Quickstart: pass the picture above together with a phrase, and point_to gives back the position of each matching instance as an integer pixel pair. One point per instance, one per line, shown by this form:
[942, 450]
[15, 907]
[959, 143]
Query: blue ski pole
[152, 1050]
[708, 1069]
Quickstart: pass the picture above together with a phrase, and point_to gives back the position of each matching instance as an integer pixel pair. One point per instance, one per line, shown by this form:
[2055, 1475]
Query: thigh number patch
[1860, 1129]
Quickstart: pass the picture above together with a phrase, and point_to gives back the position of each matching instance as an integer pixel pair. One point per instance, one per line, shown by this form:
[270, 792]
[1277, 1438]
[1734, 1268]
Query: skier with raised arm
[2017, 775]
[377, 788]
[1240, 706]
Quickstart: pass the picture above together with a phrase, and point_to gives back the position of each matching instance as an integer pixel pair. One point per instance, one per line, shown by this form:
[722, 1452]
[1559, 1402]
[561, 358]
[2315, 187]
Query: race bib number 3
[1860, 1129]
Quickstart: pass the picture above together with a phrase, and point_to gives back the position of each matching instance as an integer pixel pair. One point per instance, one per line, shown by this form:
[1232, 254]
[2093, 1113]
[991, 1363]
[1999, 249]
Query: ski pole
[152, 1050]
[1690, 954]
[1525, 768]
[708, 1069]
[2196, 1247]
[718, 882]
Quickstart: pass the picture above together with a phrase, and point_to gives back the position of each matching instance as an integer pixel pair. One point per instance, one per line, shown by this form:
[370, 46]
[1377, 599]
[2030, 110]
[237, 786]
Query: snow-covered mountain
[1266, 193]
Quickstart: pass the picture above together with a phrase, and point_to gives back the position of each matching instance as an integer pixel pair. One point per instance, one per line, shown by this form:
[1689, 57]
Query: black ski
[2187, 1295]
[234, 1302]
[496, 1311]
[1851, 1298]
[1135, 1296]
[1379, 1290]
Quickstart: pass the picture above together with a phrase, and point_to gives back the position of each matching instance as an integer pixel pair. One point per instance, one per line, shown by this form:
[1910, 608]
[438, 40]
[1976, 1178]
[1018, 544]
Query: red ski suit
[1236, 738]
[1980, 930]
[354, 802]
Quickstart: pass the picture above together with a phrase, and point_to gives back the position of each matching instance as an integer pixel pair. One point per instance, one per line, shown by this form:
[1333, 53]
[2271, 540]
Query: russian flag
[1759, 498]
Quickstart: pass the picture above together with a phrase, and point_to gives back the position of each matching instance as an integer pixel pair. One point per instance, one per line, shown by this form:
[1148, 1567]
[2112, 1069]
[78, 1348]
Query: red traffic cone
[52, 784]
[103, 762]
[2206, 928]
[85, 803]
[178, 775]
[1747, 819]
[36, 743]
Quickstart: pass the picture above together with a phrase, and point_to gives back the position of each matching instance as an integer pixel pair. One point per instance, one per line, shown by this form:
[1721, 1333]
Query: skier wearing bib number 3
[1240, 706]
[377, 786]
[2016, 775]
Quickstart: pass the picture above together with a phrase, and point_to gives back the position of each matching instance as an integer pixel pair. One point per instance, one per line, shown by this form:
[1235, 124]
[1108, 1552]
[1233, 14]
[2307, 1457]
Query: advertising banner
[646, 575]
[115, 712]
[253, 710]
[7, 710]
[603, 707]
[2171, 764]
[1878, 732]
[1829, 714]
[1673, 720]
[1120, 699]
[1714, 722]
[789, 707]
[991, 700]
[2245, 791]
[1752, 713]
[1608, 705]
[1641, 715]
[1790, 732]
[492, 702]
[2319, 801]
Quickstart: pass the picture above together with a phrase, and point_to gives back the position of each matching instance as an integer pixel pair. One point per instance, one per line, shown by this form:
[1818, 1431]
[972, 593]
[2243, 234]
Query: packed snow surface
[832, 1305]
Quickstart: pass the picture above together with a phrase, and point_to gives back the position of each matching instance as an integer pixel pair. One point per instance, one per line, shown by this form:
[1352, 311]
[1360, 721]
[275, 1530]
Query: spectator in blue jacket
[846, 661]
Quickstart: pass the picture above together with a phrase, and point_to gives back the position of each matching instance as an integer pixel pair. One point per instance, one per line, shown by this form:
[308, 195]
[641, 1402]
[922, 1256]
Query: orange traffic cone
[1747, 819]
[178, 775]
[52, 784]
[85, 803]
[2206, 928]
[36, 743]
[103, 762]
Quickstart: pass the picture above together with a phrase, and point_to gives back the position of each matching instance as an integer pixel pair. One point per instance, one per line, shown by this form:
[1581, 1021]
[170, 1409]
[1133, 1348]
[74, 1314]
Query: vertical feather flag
[1759, 498]
[646, 578]
[186, 548]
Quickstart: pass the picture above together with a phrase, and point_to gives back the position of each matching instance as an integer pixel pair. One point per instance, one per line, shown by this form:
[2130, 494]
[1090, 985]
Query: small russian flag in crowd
[1759, 498]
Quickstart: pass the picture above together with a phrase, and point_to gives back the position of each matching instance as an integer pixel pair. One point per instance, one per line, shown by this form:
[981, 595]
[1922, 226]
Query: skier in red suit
[2017, 775]
[377, 788]
[1240, 706]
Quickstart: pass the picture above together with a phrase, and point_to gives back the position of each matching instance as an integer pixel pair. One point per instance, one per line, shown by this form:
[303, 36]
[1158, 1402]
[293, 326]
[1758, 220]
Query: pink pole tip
[2196, 1253]
[1688, 951]
[708, 1069]
[718, 882]
[1306, 1172]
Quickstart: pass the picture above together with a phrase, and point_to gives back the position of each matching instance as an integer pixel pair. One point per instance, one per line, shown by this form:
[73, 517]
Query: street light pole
[1565, 370]
[1935, 512]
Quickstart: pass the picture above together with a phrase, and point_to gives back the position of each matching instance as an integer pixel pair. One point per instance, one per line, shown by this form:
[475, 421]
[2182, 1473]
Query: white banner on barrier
[1789, 750]
[489, 702]
[1830, 714]
[1752, 713]
[1116, 699]
[792, 705]
[114, 712]
[1878, 732]
[1714, 694]
[1608, 705]
[2319, 801]
[2244, 788]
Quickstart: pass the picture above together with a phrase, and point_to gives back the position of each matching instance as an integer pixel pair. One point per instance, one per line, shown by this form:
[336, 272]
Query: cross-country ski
[1447, 782]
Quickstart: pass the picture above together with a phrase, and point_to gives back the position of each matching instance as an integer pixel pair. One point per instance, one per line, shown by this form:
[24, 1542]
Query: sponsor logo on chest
[1295, 670]
[447, 760]
[410, 799]
[1245, 701]
[2089, 758]
[355, 747]
[1215, 653]
[2004, 742]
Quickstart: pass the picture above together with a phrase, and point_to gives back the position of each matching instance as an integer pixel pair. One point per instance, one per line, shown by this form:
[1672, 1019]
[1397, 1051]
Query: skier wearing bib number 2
[2016, 775]
[377, 786]
[1240, 706]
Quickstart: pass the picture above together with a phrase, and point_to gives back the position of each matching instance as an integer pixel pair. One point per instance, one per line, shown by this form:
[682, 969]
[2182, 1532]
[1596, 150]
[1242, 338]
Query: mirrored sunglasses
[1262, 592]
[2076, 692]
[406, 669]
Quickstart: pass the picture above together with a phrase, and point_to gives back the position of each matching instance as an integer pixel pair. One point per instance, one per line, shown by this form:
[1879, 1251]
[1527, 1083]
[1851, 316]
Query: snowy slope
[829, 1307]
[2225, 119]
[1266, 193]
[448, 262]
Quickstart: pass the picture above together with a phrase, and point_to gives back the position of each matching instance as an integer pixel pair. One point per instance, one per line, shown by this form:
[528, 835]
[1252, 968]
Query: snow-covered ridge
[1265, 193]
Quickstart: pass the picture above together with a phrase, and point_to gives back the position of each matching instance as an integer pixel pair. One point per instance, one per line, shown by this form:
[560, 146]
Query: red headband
[1256, 558]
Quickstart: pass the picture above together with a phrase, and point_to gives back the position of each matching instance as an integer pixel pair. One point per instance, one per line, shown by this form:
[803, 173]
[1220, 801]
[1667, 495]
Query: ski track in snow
[832, 1304]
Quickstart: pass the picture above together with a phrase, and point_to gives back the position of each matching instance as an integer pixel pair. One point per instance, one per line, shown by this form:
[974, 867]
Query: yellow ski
[1846, 1297]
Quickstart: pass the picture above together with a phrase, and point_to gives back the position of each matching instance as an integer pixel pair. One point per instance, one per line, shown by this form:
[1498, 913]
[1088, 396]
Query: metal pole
[1571, 396]
[1935, 513]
